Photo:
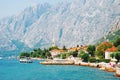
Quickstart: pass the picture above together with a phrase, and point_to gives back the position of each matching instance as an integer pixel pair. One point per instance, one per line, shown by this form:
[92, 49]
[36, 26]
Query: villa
[56, 52]
[84, 48]
[110, 51]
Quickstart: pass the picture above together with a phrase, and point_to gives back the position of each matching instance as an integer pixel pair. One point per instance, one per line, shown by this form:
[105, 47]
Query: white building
[110, 51]
[56, 52]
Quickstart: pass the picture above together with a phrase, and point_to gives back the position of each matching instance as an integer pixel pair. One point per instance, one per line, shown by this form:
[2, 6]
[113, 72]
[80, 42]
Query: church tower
[53, 42]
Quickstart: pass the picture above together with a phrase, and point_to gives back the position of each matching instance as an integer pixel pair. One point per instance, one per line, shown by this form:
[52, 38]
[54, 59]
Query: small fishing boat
[1, 58]
[25, 60]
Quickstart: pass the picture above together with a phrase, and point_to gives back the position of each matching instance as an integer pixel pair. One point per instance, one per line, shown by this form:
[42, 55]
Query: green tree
[118, 48]
[81, 53]
[91, 50]
[64, 48]
[35, 50]
[117, 42]
[24, 54]
[63, 55]
[85, 57]
[68, 54]
[74, 53]
[100, 50]
[112, 55]
[77, 45]
[48, 55]
[117, 56]
[100, 54]
[35, 54]
[52, 48]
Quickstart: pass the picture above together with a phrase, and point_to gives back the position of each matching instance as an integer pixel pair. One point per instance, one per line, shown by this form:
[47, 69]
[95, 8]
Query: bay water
[14, 70]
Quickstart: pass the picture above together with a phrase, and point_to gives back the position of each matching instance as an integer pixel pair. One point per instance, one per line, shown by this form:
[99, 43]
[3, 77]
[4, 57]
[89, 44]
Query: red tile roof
[55, 50]
[106, 43]
[112, 49]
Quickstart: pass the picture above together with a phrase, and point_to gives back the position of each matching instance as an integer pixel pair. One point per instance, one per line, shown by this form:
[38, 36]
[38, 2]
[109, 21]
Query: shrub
[105, 60]
[81, 53]
[117, 56]
[74, 53]
[24, 54]
[85, 57]
[92, 60]
[63, 56]
[98, 60]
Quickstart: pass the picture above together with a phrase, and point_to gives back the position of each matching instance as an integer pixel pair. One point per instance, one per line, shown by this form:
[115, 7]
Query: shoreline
[100, 66]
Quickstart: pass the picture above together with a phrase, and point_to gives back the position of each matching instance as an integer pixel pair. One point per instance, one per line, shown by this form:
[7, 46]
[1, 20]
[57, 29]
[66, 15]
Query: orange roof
[73, 49]
[112, 49]
[78, 48]
[106, 43]
[56, 50]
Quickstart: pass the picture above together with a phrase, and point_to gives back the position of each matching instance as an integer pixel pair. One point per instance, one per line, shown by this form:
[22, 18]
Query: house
[84, 48]
[110, 51]
[56, 52]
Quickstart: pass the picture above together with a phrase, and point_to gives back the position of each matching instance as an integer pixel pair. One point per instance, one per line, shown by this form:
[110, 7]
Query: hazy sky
[12, 7]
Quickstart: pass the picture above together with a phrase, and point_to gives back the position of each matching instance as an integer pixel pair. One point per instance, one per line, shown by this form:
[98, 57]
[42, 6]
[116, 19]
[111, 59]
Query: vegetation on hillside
[94, 53]
[111, 37]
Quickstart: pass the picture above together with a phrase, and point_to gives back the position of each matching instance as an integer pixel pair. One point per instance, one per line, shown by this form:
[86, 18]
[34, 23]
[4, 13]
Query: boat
[25, 60]
[1, 58]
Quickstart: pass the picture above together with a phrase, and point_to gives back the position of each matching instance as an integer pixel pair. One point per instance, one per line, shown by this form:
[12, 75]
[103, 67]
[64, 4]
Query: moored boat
[25, 60]
[1, 58]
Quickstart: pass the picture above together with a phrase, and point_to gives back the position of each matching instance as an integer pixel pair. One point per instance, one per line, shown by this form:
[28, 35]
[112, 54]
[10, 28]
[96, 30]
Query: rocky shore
[57, 62]
[102, 66]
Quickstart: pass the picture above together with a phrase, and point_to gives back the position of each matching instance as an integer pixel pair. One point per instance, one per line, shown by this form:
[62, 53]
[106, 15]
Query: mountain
[114, 33]
[79, 22]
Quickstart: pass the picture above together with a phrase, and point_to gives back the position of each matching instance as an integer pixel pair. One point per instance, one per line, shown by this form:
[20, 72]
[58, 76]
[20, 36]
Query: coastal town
[104, 56]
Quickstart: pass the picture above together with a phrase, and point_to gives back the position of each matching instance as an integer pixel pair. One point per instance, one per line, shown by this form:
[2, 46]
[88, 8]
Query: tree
[100, 54]
[24, 54]
[117, 56]
[100, 50]
[112, 55]
[64, 48]
[118, 48]
[74, 53]
[117, 42]
[63, 55]
[52, 48]
[48, 55]
[77, 45]
[35, 54]
[81, 53]
[68, 54]
[85, 57]
[91, 50]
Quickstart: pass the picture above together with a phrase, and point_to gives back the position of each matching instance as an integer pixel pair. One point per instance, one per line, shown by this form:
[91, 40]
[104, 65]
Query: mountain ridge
[80, 22]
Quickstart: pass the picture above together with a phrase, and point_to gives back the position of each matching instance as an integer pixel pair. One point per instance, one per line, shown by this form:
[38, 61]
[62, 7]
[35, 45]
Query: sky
[13, 7]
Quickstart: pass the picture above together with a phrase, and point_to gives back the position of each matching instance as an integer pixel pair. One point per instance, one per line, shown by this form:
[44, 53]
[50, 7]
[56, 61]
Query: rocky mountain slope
[79, 22]
[114, 33]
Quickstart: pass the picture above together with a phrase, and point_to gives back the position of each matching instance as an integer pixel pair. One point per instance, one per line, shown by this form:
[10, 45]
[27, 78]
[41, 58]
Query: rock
[84, 64]
[110, 69]
[102, 68]
[77, 62]
[118, 65]
[117, 73]
[54, 62]
[93, 65]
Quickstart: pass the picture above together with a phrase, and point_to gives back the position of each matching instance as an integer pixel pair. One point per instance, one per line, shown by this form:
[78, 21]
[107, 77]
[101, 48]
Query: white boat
[1, 58]
[11, 57]
[25, 60]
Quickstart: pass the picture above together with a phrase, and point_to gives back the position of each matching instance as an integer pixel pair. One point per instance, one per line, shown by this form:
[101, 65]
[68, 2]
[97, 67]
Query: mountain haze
[80, 22]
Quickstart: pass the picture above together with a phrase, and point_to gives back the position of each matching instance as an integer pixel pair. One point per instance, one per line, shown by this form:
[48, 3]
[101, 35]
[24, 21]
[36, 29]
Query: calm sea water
[14, 70]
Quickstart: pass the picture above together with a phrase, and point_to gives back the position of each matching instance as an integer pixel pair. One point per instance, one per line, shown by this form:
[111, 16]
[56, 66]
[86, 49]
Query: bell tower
[53, 42]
